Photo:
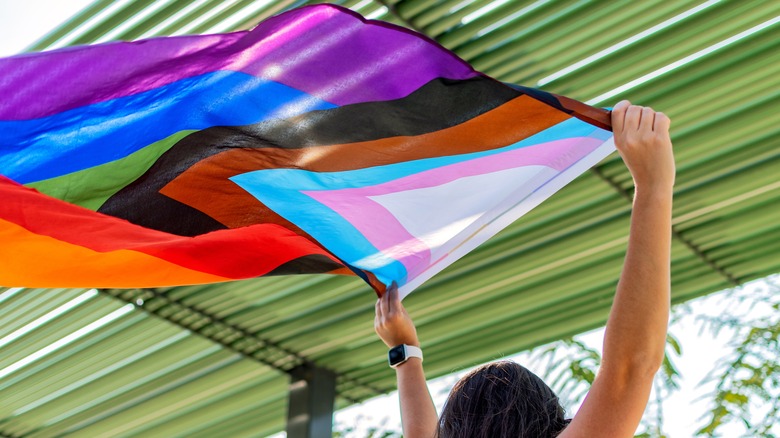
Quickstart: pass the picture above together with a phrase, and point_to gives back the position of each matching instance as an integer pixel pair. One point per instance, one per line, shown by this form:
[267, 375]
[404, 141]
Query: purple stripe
[323, 50]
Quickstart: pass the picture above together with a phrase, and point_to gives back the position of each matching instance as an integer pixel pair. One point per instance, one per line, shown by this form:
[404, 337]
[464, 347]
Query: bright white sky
[22, 22]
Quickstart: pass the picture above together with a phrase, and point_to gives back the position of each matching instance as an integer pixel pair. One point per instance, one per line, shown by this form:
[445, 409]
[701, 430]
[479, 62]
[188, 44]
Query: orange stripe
[31, 260]
[507, 124]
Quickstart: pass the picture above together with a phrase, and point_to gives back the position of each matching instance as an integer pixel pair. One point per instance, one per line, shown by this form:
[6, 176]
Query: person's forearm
[418, 414]
[635, 337]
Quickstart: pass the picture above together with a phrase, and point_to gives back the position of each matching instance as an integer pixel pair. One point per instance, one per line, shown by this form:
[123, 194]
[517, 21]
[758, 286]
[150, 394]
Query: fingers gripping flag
[318, 142]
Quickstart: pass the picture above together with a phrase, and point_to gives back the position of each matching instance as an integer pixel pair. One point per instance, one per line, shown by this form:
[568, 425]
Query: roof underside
[210, 360]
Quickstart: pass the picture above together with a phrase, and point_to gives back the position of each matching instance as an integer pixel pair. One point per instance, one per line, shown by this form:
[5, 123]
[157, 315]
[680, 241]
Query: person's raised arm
[635, 337]
[395, 327]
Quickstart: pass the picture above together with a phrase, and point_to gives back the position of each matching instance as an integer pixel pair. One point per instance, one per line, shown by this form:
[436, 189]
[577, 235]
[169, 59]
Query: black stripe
[439, 104]
[595, 116]
[309, 264]
[542, 96]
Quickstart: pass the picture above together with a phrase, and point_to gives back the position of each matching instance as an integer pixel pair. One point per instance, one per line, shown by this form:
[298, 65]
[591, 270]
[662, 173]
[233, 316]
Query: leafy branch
[571, 367]
[747, 380]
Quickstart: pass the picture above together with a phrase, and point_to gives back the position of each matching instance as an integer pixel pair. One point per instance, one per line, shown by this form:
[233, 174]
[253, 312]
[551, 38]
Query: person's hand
[642, 139]
[392, 323]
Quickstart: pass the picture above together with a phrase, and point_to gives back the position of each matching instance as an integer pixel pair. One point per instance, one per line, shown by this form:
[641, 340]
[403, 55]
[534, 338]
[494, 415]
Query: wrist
[658, 191]
[412, 362]
[402, 353]
[398, 341]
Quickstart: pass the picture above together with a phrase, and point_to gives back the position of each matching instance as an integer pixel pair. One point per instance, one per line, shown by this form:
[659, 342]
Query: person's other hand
[392, 323]
[643, 141]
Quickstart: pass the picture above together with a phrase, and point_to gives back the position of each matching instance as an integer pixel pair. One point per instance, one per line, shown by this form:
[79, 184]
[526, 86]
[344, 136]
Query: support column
[311, 400]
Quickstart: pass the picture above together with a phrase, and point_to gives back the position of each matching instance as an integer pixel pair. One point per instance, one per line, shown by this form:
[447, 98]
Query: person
[504, 399]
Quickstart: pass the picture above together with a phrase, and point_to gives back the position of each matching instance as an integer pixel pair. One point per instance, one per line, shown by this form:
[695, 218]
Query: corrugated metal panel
[209, 360]
[79, 362]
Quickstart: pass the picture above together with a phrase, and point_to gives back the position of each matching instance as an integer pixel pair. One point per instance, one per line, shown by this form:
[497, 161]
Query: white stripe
[490, 226]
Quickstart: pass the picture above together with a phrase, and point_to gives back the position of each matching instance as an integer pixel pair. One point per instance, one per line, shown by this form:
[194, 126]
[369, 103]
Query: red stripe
[235, 253]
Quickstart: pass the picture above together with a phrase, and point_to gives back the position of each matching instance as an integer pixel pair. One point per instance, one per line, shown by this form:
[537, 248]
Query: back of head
[501, 399]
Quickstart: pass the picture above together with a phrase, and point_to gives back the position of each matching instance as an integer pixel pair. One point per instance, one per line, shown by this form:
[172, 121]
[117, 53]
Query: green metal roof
[210, 360]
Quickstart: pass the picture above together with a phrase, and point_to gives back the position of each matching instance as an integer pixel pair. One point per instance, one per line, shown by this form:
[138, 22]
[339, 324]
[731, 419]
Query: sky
[22, 22]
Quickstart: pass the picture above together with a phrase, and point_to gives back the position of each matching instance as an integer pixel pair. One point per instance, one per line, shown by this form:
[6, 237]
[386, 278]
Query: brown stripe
[595, 116]
[599, 117]
[233, 206]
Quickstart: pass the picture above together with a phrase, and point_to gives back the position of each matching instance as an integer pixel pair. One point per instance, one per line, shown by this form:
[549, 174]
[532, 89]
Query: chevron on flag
[318, 142]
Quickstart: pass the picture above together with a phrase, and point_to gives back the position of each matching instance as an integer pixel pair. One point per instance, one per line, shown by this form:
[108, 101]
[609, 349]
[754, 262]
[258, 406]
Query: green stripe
[91, 187]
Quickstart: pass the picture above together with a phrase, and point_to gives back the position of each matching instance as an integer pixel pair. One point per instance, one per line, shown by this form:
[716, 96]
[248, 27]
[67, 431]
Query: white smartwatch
[401, 353]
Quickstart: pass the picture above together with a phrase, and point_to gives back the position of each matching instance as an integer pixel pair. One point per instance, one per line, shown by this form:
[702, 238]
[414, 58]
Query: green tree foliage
[371, 431]
[571, 367]
[747, 380]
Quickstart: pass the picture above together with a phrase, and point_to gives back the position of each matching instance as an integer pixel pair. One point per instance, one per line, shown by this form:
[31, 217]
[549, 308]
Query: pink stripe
[384, 231]
[379, 226]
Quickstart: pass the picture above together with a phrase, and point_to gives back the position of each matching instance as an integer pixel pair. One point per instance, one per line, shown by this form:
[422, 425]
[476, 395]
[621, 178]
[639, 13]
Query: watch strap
[406, 351]
[412, 351]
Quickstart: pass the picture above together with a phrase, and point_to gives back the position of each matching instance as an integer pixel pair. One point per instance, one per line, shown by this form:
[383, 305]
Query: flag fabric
[318, 142]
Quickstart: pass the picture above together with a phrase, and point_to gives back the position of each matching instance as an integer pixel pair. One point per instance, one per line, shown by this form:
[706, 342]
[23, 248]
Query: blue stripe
[38, 149]
[280, 190]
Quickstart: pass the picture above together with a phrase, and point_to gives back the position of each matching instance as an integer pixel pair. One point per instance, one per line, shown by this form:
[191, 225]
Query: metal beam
[394, 12]
[230, 336]
[733, 280]
[312, 396]
[6, 435]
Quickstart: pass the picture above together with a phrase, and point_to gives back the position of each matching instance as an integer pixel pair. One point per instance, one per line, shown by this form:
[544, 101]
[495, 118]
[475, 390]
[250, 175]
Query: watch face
[396, 355]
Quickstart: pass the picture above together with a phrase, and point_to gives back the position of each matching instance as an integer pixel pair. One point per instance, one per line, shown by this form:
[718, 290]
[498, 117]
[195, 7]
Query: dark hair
[501, 400]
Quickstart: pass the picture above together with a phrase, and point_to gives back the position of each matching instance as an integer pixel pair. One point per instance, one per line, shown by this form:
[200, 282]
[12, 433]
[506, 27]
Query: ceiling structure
[206, 361]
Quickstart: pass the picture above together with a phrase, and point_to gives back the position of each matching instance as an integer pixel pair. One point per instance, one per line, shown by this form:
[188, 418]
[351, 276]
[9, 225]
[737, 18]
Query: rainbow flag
[318, 142]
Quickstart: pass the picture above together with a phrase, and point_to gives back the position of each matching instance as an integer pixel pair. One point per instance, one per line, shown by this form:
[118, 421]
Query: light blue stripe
[280, 190]
[38, 149]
